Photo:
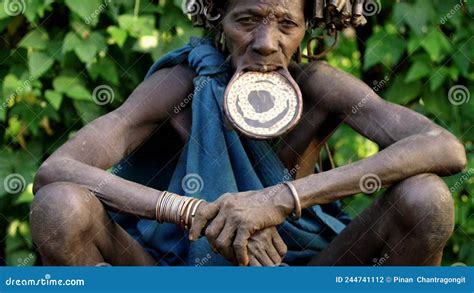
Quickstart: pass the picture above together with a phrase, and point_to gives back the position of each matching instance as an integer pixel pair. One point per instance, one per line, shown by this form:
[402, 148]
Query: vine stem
[136, 10]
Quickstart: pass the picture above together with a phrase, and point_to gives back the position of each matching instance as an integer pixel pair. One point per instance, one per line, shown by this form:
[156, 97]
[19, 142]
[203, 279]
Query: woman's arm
[105, 141]
[411, 144]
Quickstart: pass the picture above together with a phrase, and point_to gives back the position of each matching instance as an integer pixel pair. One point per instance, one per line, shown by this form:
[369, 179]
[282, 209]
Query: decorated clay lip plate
[263, 105]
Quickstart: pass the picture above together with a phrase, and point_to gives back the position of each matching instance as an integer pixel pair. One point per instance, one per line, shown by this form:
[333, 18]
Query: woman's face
[263, 35]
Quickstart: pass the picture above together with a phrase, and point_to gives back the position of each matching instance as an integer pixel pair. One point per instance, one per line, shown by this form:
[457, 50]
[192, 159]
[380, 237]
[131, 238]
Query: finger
[240, 246]
[214, 229]
[264, 259]
[224, 242]
[253, 262]
[203, 214]
[280, 245]
[273, 254]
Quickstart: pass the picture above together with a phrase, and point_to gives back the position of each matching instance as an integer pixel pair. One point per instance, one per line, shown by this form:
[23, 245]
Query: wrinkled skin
[411, 222]
[262, 36]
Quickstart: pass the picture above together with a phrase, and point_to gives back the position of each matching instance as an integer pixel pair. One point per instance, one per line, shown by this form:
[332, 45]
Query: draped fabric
[216, 160]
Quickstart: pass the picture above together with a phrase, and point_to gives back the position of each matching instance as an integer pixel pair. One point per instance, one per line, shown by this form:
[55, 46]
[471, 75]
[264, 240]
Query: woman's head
[263, 35]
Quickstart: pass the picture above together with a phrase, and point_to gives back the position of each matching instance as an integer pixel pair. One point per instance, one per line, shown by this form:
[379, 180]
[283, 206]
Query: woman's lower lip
[262, 68]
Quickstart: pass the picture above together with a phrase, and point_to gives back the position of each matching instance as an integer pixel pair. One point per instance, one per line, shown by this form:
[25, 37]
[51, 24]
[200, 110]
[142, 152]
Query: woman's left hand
[235, 217]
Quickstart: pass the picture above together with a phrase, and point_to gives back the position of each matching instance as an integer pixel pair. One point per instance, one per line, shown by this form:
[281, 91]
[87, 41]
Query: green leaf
[419, 70]
[10, 85]
[62, 83]
[39, 63]
[79, 92]
[412, 14]
[413, 45]
[437, 103]
[71, 41]
[385, 48]
[36, 39]
[88, 10]
[401, 92]
[88, 49]
[35, 9]
[118, 35]
[137, 26]
[436, 44]
[72, 88]
[26, 196]
[108, 71]
[438, 78]
[54, 98]
[462, 62]
[15, 126]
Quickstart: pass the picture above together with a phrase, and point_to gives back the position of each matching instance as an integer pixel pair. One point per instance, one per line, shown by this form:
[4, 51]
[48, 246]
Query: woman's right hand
[266, 248]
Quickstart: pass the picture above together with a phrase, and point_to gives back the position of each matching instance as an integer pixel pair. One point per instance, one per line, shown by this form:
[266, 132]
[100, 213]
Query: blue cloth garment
[220, 161]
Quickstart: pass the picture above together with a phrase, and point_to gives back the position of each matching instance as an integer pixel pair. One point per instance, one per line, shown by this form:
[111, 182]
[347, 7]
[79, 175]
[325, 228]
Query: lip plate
[285, 74]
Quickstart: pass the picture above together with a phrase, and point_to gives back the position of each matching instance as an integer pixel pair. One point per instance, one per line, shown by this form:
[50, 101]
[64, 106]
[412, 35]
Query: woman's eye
[247, 20]
[288, 23]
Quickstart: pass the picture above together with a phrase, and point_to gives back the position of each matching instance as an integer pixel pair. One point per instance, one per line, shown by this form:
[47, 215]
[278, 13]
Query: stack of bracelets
[176, 209]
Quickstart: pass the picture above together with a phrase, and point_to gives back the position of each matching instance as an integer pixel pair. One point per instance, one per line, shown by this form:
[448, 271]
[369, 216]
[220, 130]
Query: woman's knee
[425, 205]
[60, 213]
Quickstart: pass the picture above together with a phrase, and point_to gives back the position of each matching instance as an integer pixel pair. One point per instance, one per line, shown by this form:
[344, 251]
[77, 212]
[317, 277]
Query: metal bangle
[180, 209]
[157, 213]
[189, 203]
[172, 208]
[176, 210]
[166, 207]
[196, 207]
[296, 214]
[188, 212]
[163, 198]
[181, 213]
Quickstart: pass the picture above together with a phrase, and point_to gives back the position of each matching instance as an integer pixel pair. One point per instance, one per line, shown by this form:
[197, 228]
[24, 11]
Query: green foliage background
[53, 54]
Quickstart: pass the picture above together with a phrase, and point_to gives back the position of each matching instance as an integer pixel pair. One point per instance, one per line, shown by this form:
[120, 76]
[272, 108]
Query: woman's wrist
[284, 201]
[175, 209]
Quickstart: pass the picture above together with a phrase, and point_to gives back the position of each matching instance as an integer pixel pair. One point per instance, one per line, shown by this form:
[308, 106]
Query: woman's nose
[265, 40]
